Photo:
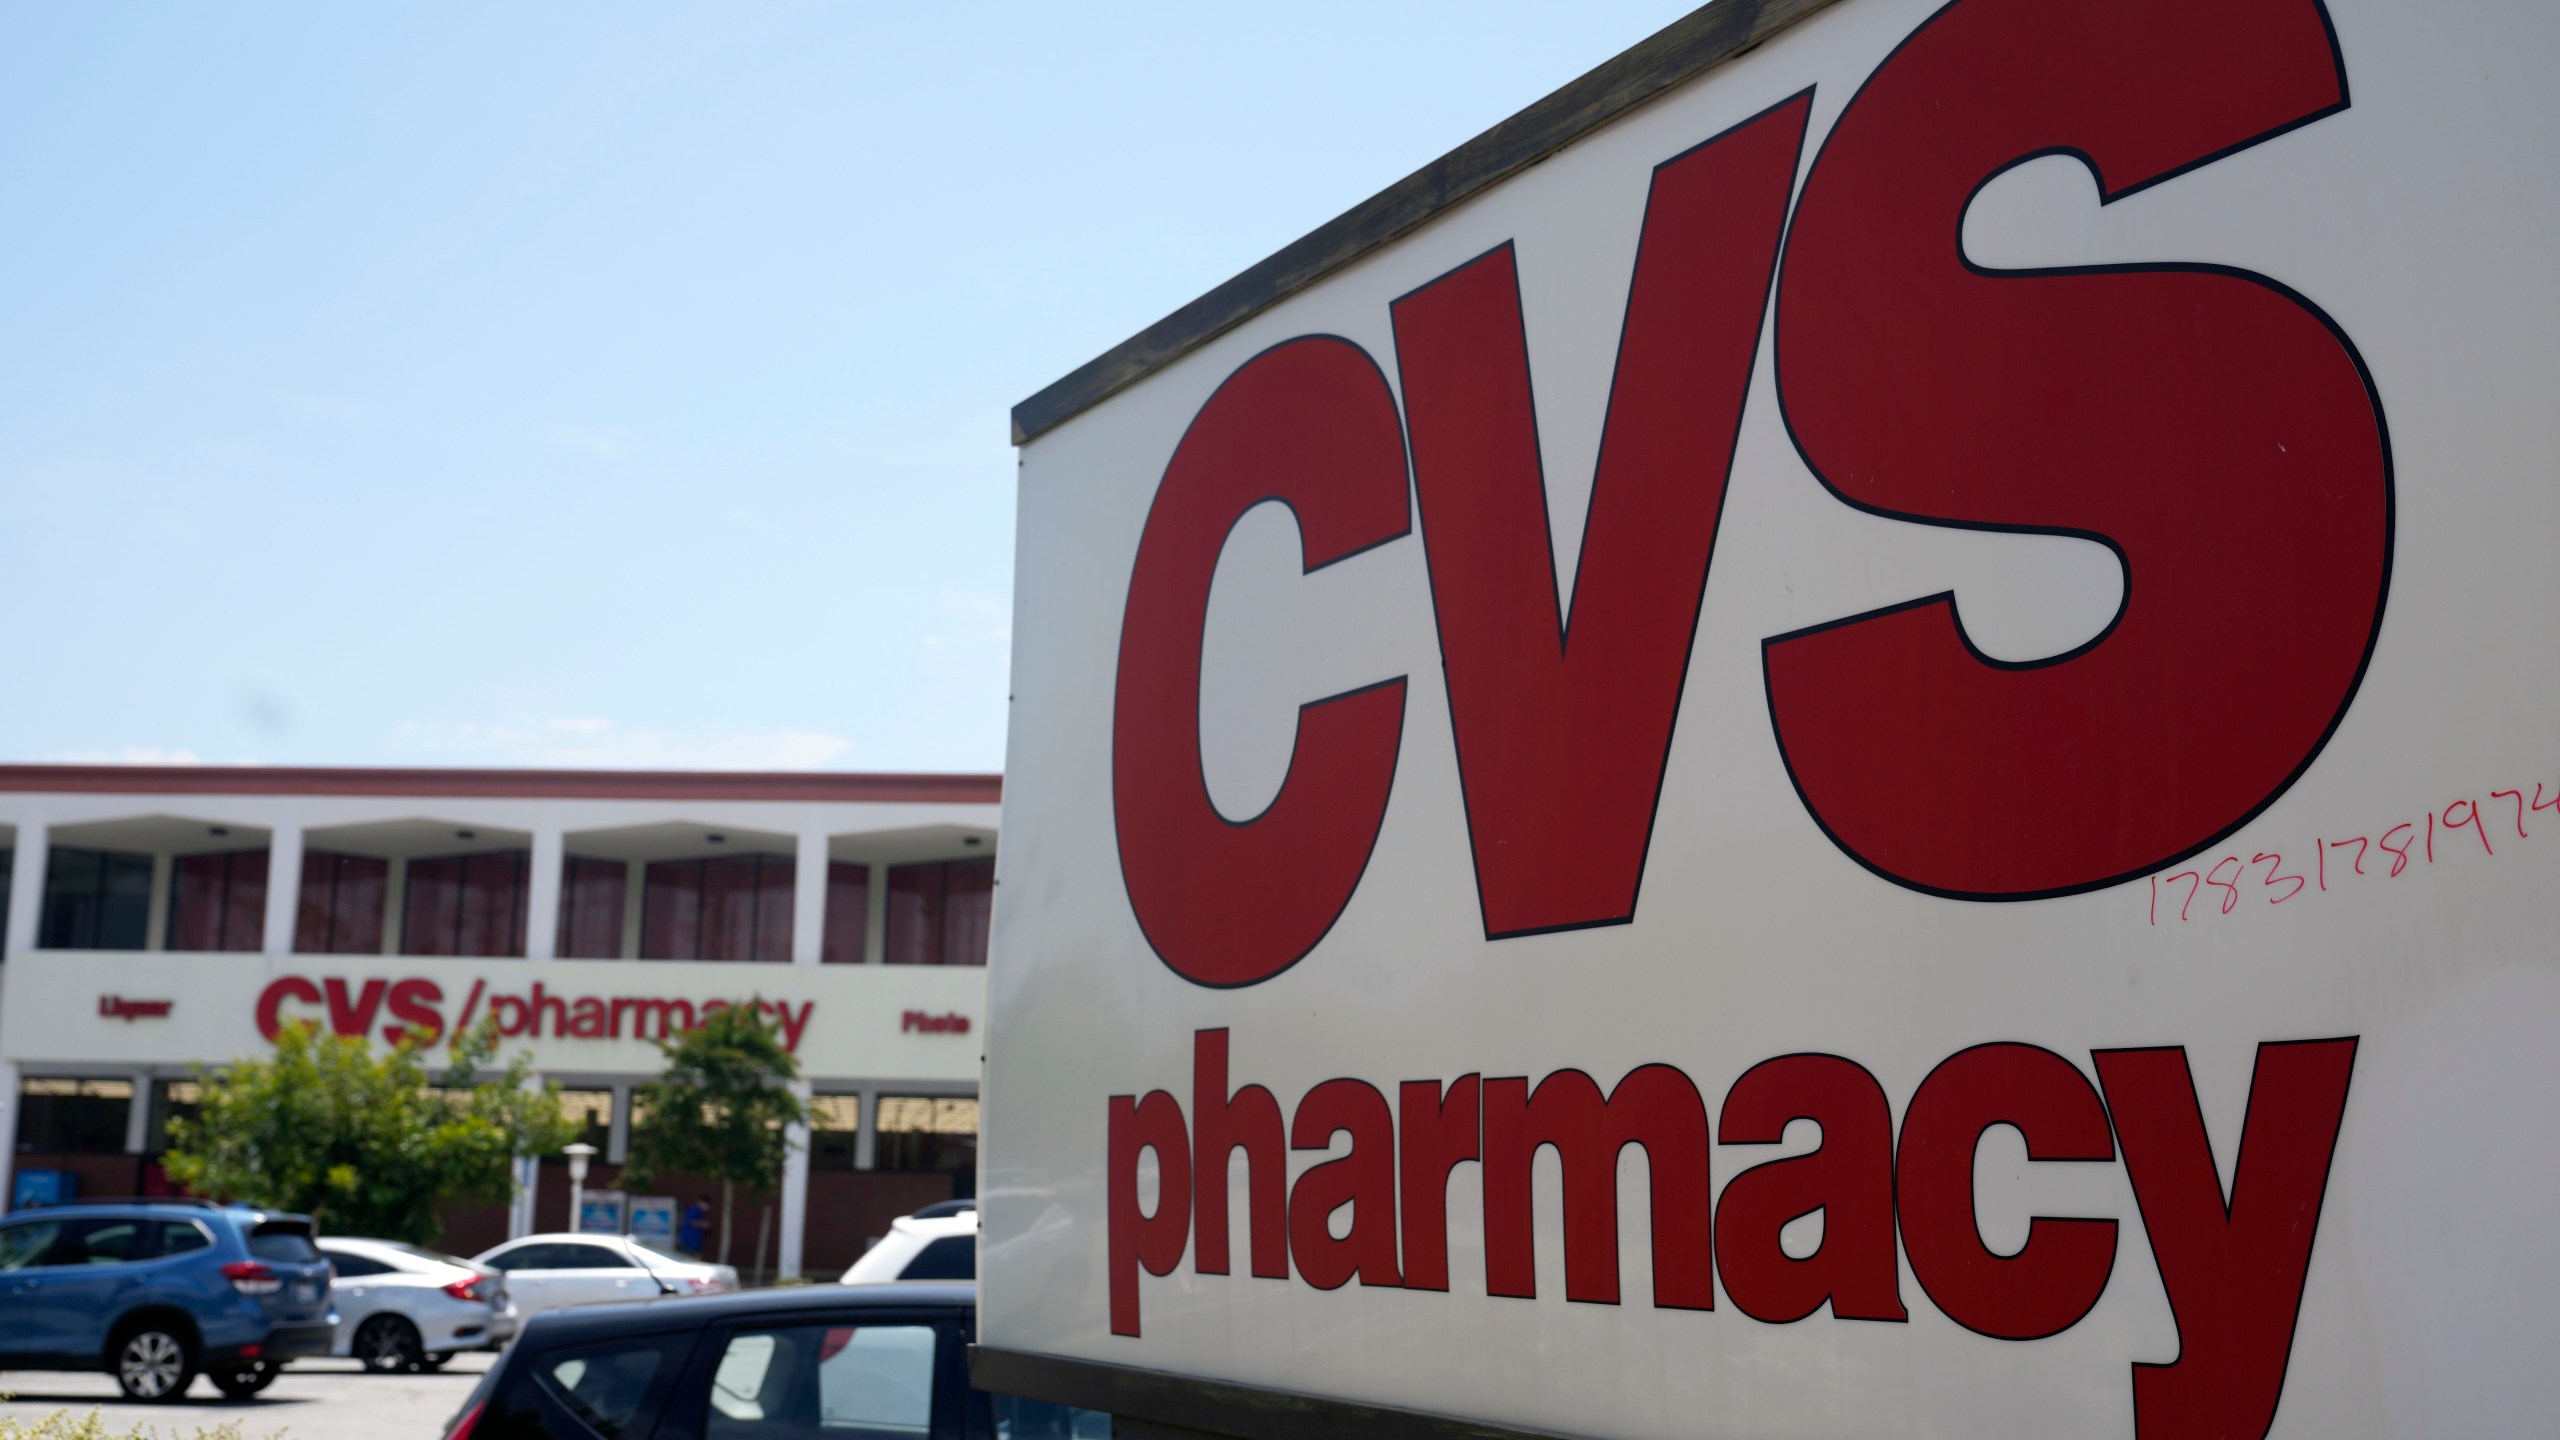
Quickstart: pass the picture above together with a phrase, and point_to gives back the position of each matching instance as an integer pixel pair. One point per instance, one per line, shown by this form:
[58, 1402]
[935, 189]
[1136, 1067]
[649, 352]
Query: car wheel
[246, 1381]
[153, 1363]
[388, 1345]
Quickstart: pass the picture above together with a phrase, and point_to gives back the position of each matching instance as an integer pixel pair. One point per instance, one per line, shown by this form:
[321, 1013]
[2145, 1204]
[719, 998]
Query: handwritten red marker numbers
[2387, 855]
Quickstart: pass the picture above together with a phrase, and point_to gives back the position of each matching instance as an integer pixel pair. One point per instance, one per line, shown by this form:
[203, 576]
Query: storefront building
[162, 920]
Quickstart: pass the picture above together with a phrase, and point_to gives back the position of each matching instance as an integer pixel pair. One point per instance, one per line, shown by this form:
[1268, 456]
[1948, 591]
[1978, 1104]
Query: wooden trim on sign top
[1183, 1405]
[1674, 55]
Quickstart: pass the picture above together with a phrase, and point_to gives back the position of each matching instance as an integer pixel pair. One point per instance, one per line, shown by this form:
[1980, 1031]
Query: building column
[635, 896]
[395, 905]
[617, 1138]
[284, 888]
[809, 899]
[795, 1191]
[528, 1184]
[875, 919]
[26, 907]
[155, 927]
[8, 1128]
[26, 892]
[137, 1124]
[542, 897]
[866, 1134]
[528, 1181]
[808, 946]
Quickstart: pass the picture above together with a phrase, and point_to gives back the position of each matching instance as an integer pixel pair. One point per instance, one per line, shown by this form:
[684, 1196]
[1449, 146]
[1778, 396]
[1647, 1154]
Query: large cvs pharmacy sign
[1787, 717]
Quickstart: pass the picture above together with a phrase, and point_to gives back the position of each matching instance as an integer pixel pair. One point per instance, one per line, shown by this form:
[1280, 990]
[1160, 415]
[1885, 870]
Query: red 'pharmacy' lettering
[2232, 1257]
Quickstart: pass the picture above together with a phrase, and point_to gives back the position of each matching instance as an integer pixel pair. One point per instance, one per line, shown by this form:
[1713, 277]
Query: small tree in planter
[720, 1109]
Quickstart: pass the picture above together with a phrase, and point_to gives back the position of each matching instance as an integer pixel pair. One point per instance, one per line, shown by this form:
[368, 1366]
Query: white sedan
[545, 1272]
[402, 1308]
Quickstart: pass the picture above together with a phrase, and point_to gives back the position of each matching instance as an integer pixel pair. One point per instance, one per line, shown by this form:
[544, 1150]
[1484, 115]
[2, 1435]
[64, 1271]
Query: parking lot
[312, 1400]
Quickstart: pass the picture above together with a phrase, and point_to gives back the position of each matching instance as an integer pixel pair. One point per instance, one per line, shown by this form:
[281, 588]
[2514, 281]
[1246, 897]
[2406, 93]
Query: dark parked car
[846, 1362]
[155, 1291]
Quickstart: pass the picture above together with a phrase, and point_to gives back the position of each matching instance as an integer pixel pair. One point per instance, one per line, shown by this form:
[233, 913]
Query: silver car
[401, 1308]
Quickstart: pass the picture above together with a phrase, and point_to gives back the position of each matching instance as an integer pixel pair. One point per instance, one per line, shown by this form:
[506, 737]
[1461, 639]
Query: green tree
[720, 1108]
[365, 1140]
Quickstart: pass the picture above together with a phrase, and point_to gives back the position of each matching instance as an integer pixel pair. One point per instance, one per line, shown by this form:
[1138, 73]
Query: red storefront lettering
[271, 1002]
[353, 1008]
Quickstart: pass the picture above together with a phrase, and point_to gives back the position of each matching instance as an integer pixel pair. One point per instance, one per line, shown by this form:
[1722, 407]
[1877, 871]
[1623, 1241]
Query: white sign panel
[1874, 756]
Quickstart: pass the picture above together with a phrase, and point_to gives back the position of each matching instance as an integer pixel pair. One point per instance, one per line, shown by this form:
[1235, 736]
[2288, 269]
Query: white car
[922, 1247]
[401, 1308]
[545, 1272]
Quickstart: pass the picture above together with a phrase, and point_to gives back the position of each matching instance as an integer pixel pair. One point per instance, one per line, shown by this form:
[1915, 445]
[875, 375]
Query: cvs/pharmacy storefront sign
[389, 1009]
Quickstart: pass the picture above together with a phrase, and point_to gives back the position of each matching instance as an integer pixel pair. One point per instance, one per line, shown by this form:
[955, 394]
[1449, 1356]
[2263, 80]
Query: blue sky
[588, 384]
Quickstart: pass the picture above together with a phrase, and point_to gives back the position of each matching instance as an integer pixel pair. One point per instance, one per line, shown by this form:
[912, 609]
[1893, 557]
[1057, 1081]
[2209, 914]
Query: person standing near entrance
[694, 1228]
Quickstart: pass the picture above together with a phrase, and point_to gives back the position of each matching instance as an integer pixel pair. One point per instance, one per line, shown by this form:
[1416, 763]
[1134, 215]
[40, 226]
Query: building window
[591, 899]
[73, 1117]
[592, 1109]
[218, 902]
[848, 913]
[8, 877]
[934, 1133]
[465, 905]
[95, 900]
[737, 907]
[343, 896]
[833, 1133]
[938, 912]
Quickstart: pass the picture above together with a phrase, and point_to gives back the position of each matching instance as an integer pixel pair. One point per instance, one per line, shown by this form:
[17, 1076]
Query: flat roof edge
[1670, 57]
[506, 784]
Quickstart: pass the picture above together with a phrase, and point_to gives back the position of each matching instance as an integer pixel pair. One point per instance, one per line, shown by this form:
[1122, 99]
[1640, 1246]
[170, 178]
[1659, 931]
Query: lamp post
[579, 1154]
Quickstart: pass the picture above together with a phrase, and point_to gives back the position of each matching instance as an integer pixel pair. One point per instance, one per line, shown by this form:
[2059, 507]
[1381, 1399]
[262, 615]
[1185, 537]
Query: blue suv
[155, 1291]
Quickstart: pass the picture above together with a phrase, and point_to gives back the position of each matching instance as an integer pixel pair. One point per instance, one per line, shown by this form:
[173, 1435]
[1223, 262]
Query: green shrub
[358, 1138]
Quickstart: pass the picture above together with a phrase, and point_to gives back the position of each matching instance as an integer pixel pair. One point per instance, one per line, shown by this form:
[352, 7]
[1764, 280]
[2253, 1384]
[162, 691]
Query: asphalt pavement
[311, 1400]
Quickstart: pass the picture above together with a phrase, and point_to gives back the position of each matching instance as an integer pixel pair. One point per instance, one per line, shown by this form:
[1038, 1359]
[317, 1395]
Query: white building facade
[164, 920]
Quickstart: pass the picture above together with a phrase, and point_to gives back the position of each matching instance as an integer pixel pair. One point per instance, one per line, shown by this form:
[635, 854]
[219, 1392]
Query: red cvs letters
[2211, 427]
[1563, 723]
[1310, 424]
